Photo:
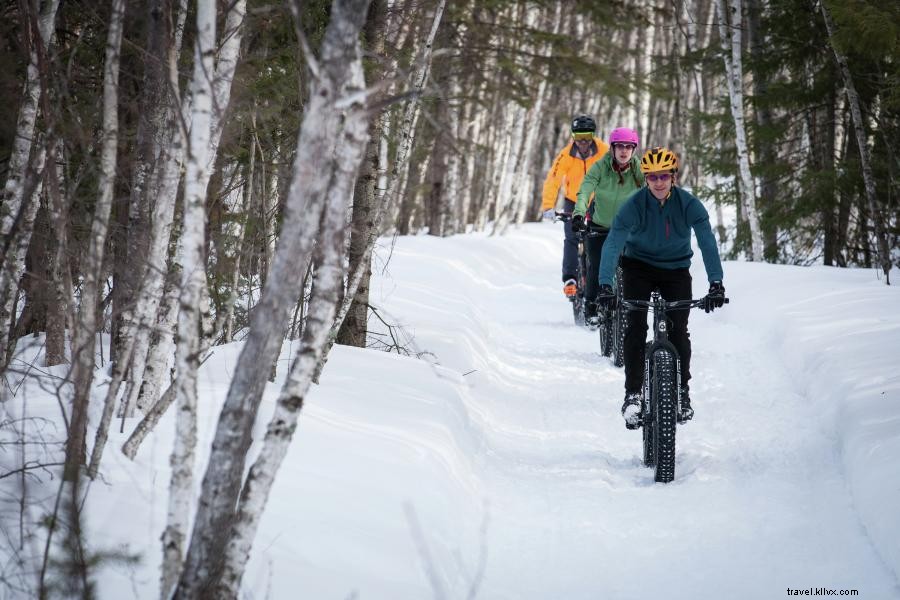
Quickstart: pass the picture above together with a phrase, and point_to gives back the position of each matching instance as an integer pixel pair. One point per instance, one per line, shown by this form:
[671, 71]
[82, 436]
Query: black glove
[606, 298]
[577, 223]
[715, 298]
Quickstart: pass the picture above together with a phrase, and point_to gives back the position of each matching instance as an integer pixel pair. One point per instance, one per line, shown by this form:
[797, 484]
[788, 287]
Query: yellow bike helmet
[659, 159]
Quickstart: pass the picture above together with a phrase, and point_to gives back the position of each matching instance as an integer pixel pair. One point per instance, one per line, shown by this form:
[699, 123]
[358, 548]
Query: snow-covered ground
[497, 466]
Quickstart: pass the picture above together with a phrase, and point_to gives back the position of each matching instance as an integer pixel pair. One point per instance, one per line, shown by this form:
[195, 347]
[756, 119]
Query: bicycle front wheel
[647, 421]
[664, 403]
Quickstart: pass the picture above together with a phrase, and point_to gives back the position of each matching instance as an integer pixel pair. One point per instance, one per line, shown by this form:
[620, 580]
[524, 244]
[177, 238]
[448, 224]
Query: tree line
[179, 175]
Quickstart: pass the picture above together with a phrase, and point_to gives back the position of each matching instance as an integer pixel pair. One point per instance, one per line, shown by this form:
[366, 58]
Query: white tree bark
[735, 80]
[225, 325]
[390, 196]
[156, 181]
[12, 224]
[326, 287]
[86, 323]
[407, 127]
[450, 204]
[881, 242]
[193, 279]
[522, 184]
[151, 288]
[305, 204]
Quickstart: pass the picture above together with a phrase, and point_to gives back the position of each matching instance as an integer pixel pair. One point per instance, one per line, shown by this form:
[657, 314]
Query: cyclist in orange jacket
[568, 169]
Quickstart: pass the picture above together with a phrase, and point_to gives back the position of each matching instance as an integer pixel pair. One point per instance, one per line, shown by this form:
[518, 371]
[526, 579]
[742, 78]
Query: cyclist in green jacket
[606, 186]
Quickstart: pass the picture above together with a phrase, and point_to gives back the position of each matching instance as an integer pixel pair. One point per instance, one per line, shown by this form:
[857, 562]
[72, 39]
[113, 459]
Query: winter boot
[570, 288]
[686, 413]
[631, 410]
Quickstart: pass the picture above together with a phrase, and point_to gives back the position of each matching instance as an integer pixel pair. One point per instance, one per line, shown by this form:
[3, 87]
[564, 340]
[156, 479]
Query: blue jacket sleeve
[615, 241]
[698, 218]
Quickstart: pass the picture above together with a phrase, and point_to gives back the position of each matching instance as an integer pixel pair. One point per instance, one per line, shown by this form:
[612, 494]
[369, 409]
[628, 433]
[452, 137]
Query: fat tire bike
[613, 321]
[661, 401]
[581, 268]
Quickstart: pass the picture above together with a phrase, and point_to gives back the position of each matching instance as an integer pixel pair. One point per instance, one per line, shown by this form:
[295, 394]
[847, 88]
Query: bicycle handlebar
[675, 304]
[593, 230]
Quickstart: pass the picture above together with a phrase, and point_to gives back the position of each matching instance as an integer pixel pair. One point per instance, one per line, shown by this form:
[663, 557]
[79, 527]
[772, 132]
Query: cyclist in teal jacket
[654, 227]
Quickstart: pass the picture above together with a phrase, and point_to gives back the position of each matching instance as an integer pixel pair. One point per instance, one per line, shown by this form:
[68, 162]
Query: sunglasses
[661, 177]
[624, 146]
[583, 135]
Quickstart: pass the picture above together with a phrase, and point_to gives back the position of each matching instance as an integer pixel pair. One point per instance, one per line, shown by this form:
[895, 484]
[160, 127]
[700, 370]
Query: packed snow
[495, 464]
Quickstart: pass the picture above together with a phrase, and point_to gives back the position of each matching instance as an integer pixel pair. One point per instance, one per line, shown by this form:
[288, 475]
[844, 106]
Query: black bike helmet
[583, 124]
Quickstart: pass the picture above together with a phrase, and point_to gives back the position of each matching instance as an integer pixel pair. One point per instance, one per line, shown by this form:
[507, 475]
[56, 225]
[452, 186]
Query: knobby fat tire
[665, 398]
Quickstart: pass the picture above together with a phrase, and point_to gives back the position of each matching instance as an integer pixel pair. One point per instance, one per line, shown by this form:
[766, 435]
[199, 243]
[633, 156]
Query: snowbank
[497, 466]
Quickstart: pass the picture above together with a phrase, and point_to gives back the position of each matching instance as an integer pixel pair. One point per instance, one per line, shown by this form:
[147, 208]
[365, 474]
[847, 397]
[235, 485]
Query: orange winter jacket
[571, 168]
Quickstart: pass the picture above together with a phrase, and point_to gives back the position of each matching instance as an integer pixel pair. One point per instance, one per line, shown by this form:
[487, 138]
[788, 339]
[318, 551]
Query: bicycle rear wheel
[619, 322]
[664, 403]
[578, 300]
[606, 332]
[578, 309]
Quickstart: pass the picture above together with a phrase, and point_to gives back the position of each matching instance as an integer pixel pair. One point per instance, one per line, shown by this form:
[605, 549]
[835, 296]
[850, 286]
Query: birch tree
[86, 322]
[192, 281]
[16, 214]
[325, 294]
[881, 242]
[390, 195]
[305, 205]
[151, 289]
[159, 142]
[735, 80]
[522, 186]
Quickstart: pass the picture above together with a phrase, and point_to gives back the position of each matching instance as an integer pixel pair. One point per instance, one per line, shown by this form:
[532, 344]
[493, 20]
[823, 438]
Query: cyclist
[605, 188]
[654, 227]
[569, 168]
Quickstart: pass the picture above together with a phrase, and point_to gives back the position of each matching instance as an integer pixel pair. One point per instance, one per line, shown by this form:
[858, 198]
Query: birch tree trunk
[326, 289]
[156, 133]
[522, 186]
[367, 194]
[156, 180]
[187, 359]
[305, 204]
[15, 223]
[390, 196]
[765, 151]
[140, 312]
[82, 372]
[226, 320]
[881, 241]
[151, 289]
[735, 80]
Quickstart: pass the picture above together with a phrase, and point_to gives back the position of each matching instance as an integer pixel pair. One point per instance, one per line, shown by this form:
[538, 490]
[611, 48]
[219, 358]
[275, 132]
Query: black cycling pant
[570, 246]
[593, 247]
[639, 280]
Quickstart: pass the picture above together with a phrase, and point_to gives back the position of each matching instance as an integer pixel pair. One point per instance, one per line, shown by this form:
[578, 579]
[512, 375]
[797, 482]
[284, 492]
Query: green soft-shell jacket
[607, 189]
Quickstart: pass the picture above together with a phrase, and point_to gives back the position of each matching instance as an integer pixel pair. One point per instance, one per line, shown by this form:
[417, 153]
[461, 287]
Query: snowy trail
[498, 467]
[759, 504]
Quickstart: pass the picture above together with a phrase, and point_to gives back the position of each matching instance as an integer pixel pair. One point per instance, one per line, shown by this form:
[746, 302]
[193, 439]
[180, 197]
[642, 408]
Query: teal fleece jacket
[660, 235]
